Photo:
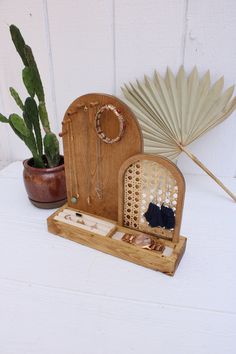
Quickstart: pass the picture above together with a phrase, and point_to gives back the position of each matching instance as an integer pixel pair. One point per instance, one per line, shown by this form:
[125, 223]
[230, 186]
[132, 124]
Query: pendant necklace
[99, 185]
[72, 171]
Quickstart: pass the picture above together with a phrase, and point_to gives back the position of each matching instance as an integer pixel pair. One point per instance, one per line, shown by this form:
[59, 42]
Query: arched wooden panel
[144, 179]
[92, 165]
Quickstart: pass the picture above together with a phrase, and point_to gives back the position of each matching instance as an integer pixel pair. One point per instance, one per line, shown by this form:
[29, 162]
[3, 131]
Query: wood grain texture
[89, 161]
[150, 259]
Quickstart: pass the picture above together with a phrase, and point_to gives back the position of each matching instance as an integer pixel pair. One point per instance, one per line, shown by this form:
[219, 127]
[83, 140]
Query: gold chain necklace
[72, 171]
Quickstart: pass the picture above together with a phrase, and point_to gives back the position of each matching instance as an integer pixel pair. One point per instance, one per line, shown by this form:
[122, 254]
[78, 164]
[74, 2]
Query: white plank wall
[81, 34]
[97, 45]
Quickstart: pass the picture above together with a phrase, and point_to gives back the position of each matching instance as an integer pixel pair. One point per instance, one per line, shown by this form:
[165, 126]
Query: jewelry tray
[151, 259]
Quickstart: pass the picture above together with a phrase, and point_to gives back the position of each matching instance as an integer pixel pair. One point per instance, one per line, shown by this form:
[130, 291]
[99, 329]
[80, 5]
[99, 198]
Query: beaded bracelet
[100, 133]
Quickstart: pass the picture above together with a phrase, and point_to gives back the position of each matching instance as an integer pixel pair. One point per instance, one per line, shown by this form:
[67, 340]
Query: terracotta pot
[46, 187]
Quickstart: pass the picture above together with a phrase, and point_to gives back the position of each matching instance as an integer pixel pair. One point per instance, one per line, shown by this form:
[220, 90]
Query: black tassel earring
[154, 216]
[168, 217]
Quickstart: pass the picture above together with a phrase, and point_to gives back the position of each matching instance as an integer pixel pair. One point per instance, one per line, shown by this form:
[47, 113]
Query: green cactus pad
[51, 148]
[38, 86]
[31, 114]
[16, 97]
[19, 43]
[19, 124]
[28, 76]
[3, 119]
[44, 117]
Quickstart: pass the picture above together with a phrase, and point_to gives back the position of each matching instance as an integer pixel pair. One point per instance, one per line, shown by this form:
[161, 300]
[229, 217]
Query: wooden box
[147, 258]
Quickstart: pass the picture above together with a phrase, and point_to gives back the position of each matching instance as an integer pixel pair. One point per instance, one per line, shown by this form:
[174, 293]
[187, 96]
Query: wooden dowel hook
[61, 134]
[93, 104]
[70, 113]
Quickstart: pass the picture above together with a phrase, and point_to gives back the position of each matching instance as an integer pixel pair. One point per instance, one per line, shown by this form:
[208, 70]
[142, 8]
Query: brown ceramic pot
[46, 187]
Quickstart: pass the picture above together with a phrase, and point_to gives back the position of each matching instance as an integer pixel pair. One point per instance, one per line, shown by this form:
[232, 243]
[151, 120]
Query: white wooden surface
[97, 45]
[57, 296]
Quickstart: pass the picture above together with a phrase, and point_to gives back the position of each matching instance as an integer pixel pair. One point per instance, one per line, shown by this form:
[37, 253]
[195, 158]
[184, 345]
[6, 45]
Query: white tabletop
[59, 297]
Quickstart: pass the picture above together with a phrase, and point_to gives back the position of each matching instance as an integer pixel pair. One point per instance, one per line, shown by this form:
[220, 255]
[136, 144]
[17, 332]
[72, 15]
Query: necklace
[98, 186]
[72, 171]
[88, 159]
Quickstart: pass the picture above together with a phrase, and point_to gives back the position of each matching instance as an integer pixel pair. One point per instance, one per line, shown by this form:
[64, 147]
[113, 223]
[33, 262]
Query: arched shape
[147, 178]
[91, 164]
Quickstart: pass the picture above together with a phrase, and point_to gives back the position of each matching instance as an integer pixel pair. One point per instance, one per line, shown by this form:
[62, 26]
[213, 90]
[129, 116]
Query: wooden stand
[111, 183]
[146, 258]
[91, 165]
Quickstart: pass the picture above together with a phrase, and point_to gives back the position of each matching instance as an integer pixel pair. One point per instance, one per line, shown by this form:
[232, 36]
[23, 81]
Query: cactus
[16, 97]
[51, 147]
[21, 130]
[34, 112]
[31, 116]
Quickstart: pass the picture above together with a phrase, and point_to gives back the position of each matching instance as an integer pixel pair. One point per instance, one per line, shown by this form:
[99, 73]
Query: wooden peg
[80, 105]
[70, 113]
[93, 104]
[61, 134]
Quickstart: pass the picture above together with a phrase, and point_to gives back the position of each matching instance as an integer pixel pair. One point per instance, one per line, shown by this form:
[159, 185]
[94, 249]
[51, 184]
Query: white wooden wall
[86, 46]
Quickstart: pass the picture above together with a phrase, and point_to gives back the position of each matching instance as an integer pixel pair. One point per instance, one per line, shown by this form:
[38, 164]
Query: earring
[168, 217]
[153, 215]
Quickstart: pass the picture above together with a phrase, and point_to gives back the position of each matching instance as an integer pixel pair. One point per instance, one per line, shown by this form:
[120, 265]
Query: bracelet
[144, 241]
[100, 133]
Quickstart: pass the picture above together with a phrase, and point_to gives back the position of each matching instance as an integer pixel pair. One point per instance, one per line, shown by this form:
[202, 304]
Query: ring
[68, 217]
[100, 133]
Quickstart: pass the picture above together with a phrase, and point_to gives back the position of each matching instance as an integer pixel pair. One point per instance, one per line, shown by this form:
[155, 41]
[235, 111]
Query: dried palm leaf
[175, 111]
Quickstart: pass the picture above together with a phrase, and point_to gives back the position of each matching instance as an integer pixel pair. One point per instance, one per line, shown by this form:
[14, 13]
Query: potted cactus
[44, 175]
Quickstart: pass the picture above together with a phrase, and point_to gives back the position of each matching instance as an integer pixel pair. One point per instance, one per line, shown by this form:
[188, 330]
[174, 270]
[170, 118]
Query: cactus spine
[34, 111]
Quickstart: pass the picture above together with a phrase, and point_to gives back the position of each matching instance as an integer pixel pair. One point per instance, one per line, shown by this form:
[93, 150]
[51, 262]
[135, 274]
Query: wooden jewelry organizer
[106, 206]
[91, 162]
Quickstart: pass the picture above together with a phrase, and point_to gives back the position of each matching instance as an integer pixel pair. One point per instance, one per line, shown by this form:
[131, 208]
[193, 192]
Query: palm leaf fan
[175, 111]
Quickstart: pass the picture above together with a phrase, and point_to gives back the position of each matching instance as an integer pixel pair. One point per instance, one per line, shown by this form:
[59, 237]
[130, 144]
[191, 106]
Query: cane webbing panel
[147, 181]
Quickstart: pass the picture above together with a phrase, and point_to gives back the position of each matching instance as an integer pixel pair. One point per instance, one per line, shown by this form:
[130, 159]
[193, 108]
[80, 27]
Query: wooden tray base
[146, 258]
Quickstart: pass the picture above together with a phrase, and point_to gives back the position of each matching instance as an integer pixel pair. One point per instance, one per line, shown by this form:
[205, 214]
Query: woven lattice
[144, 182]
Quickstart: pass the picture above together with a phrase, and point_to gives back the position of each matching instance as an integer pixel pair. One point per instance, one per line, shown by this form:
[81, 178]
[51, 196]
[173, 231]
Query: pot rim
[42, 170]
